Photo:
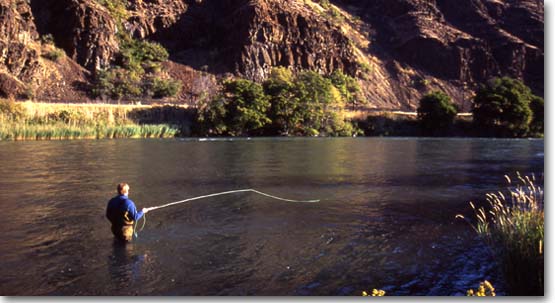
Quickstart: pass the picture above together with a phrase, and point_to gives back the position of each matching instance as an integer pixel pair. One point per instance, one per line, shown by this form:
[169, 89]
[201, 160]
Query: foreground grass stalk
[513, 226]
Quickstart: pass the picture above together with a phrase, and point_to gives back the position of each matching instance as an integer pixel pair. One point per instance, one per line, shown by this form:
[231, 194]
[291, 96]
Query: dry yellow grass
[50, 121]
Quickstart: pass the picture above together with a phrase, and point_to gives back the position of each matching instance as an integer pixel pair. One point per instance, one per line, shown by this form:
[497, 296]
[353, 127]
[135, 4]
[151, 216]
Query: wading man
[121, 211]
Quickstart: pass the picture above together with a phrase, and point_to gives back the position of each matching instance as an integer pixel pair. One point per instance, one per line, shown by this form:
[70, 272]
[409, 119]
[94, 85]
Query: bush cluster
[503, 107]
[137, 73]
[506, 107]
[436, 113]
[137, 70]
[54, 54]
[306, 104]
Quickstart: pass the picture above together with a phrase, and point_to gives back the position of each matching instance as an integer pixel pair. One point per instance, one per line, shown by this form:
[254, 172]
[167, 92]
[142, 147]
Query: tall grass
[44, 121]
[513, 225]
[62, 131]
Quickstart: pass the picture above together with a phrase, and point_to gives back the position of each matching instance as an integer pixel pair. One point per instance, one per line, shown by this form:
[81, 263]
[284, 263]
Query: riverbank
[61, 121]
[66, 121]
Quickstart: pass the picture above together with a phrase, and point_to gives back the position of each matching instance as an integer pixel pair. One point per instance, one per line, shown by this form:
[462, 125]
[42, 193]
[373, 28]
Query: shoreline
[42, 121]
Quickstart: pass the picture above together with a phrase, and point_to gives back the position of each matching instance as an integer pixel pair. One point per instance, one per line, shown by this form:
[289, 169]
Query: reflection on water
[125, 265]
[386, 219]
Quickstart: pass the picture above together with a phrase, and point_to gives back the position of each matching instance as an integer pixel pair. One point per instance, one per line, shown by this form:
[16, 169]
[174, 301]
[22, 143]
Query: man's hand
[145, 210]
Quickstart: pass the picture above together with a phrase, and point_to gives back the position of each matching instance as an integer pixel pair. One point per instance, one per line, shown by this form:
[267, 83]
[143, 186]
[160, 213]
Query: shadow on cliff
[202, 37]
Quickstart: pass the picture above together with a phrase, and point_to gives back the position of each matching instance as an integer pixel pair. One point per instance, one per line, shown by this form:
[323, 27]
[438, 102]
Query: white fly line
[227, 193]
[149, 209]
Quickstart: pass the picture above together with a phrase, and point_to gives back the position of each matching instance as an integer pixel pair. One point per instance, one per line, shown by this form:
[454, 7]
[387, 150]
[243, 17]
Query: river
[386, 218]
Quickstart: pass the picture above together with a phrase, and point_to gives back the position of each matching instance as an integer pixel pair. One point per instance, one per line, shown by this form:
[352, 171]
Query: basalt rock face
[460, 43]
[398, 49]
[85, 30]
[288, 33]
[149, 16]
[24, 70]
[18, 59]
[250, 37]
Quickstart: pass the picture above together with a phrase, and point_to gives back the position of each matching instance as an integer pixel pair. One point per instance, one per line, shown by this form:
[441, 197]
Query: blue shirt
[122, 211]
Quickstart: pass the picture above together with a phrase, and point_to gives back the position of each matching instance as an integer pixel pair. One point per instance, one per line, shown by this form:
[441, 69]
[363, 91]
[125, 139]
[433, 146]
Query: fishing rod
[148, 209]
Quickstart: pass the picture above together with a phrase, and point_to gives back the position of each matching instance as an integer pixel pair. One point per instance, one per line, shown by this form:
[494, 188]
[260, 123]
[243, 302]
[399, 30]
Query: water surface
[386, 219]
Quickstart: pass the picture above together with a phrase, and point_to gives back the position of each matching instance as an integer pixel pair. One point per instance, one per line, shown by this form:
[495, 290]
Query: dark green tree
[348, 87]
[317, 97]
[537, 107]
[436, 113]
[239, 110]
[502, 108]
[284, 111]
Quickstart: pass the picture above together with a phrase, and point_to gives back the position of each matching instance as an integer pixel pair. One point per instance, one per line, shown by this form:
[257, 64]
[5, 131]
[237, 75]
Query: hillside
[56, 50]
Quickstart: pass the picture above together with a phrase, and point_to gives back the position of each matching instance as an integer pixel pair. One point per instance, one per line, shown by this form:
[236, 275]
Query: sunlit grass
[60, 131]
[513, 226]
[43, 121]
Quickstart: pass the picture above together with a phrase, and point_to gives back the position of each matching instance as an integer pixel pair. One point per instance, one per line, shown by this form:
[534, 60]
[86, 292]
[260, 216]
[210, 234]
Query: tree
[240, 109]
[348, 87]
[305, 103]
[317, 98]
[436, 113]
[502, 108]
[308, 103]
[284, 110]
[537, 107]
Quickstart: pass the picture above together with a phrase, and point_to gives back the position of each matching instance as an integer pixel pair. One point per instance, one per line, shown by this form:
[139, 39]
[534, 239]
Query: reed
[61, 131]
[513, 226]
[44, 121]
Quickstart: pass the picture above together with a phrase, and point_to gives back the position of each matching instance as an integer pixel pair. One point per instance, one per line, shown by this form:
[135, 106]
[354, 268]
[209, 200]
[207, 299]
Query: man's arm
[133, 211]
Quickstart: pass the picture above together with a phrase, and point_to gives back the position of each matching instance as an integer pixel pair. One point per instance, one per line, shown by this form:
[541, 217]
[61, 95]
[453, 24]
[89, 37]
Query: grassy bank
[47, 121]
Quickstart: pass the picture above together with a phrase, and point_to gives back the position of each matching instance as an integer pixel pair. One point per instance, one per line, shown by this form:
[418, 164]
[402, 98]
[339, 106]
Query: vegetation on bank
[43, 121]
[506, 107]
[503, 107]
[306, 103]
[512, 224]
[436, 113]
[287, 103]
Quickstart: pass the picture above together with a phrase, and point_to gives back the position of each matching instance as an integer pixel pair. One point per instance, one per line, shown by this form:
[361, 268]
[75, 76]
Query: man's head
[123, 189]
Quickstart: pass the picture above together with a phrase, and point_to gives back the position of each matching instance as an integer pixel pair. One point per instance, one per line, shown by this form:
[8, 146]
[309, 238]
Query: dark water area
[386, 219]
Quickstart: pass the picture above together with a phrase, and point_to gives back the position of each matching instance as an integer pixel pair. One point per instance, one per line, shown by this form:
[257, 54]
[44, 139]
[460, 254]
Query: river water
[386, 219]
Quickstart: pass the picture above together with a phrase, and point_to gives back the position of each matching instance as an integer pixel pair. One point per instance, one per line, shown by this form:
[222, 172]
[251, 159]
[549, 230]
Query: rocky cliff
[398, 49]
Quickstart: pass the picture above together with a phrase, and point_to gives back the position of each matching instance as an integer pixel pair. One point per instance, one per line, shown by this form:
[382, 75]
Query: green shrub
[47, 39]
[137, 71]
[54, 54]
[436, 113]
[348, 87]
[161, 88]
[117, 83]
[537, 123]
[324, 3]
[306, 103]
[284, 110]
[502, 108]
[317, 97]
[239, 110]
[117, 8]
[137, 53]
[310, 104]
